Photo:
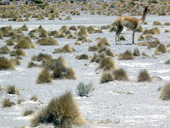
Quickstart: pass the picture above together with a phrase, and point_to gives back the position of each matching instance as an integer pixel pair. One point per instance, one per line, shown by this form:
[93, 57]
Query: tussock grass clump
[148, 37]
[24, 28]
[62, 72]
[54, 33]
[43, 33]
[120, 74]
[167, 62]
[157, 23]
[98, 58]
[90, 29]
[6, 64]
[63, 29]
[107, 63]
[161, 49]
[84, 90]
[28, 112]
[18, 52]
[7, 103]
[1, 36]
[109, 53]
[167, 24]
[93, 48]
[127, 55]
[136, 52]
[47, 41]
[4, 50]
[73, 28]
[103, 41]
[152, 31]
[62, 112]
[11, 90]
[68, 18]
[82, 57]
[24, 43]
[42, 57]
[44, 77]
[106, 77]
[144, 76]
[153, 44]
[34, 98]
[102, 48]
[66, 49]
[32, 64]
[165, 92]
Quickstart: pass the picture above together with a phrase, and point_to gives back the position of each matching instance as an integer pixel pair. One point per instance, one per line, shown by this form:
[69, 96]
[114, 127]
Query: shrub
[28, 112]
[98, 58]
[127, 55]
[82, 31]
[157, 23]
[109, 53]
[84, 90]
[120, 74]
[106, 77]
[161, 48]
[103, 41]
[144, 76]
[167, 62]
[6, 64]
[47, 41]
[9, 42]
[4, 50]
[32, 64]
[167, 24]
[93, 48]
[61, 112]
[42, 57]
[44, 77]
[7, 103]
[34, 98]
[136, 52]
[24, 28]
[107, 64]
[12, 90]
[24, 43]
[152, 31]
[82, 57]
[18, 52]
[165, 93]
[66, 49]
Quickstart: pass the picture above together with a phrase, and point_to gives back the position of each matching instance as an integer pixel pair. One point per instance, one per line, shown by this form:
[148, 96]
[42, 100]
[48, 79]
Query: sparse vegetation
[28, 112]
[44, 77]
[106, 77]
[84, 90]
[61, 112]
[127, 55]
[47, 41]
[6, 64]
[120, 74]
[7, 103]
[144, 76]
[165, 92]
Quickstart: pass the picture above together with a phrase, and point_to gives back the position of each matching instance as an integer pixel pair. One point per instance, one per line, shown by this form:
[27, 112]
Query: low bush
[44, 77]
[84, 90]
[165, 92]
[106, 77]
[144, 76]
[127, 55]
[7, 103]
[62, 112]
[6, 64]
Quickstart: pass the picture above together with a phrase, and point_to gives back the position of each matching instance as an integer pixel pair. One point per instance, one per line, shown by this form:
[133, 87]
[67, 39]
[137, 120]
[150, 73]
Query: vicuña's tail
[144, 14]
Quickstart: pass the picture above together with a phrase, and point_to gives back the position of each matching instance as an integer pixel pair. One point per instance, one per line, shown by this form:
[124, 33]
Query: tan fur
[129, 22]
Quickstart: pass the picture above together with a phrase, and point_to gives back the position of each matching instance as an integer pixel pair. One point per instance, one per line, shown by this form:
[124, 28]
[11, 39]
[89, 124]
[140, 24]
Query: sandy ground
[106, 107]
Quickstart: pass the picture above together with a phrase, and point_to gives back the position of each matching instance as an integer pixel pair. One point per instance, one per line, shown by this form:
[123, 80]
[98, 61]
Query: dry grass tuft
[4, 50]
[42, 57]
[98, 58]
[34, 98]
[120, 74]
[167, 24]
[161, 49]
[109, 53]
[47, 41]
[103, 41]
[7, 103]
[24, 28]
[107, 64]
[165, 93]
[152, 31]
[144, 76]
[18, 52]
[66, 49]
[28, 112]
[153, 44]
[62, 112]
[82, 57]
[6, 64]
[12, 90]
[44, 77]
[127, 55]
[31, 64]
[93, 48]
[136, 52]
[156, 23]
[106, 77]
[24, 43]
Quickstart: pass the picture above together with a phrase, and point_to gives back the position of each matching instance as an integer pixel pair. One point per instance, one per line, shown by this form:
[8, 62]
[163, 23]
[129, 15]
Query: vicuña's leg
[119, 30]
[133, 34]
